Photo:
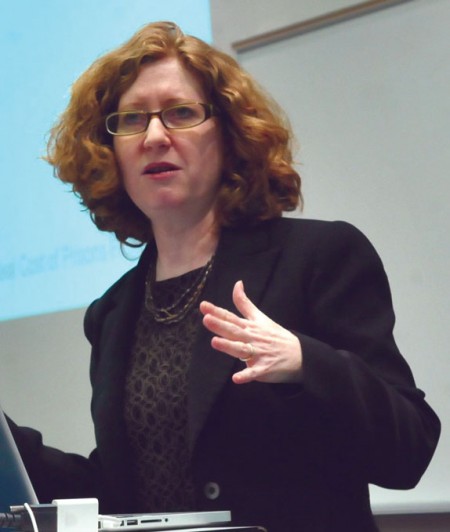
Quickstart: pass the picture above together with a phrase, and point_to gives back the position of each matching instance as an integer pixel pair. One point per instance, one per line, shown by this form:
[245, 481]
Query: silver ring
[250, 355]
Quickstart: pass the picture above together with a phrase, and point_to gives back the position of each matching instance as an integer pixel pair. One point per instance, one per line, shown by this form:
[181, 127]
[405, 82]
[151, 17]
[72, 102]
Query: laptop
[164, 521]
[15, 485]
[16, 489]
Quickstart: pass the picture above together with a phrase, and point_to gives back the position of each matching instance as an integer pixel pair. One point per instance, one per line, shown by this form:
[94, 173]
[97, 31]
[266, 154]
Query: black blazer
[289, 457]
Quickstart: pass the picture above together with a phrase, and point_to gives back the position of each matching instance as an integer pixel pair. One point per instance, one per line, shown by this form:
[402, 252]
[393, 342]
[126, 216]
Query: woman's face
[170, 174]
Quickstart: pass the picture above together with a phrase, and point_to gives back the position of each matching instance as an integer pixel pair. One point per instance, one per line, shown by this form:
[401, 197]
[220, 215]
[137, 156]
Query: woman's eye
[131, 119]
[183, 112]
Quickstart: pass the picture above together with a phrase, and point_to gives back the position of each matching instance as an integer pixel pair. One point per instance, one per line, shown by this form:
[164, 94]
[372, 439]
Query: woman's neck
[182, 249]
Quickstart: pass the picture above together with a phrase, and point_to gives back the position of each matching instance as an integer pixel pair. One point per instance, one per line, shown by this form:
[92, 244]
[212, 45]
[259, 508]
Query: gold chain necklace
[175, 312]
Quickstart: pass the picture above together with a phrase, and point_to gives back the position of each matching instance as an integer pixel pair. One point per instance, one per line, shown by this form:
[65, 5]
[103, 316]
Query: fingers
[270, 352]
[246, 375]
[223, 323]
[233, 334]
[243, 303]
[237, 336]
[237, 349]
[207, 308]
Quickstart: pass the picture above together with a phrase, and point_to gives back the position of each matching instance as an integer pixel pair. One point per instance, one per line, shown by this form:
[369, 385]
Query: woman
[247, 362]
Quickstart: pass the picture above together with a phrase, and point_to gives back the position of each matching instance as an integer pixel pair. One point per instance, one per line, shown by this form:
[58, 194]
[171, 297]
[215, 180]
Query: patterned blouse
[156, 401]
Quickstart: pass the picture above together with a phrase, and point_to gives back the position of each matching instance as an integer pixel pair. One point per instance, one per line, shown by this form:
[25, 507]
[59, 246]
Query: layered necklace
[176, 311]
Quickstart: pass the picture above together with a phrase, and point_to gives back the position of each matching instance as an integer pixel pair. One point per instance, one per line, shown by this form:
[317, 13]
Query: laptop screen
[15, 485]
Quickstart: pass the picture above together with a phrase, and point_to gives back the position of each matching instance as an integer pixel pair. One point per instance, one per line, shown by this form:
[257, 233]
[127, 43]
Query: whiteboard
[369, 100]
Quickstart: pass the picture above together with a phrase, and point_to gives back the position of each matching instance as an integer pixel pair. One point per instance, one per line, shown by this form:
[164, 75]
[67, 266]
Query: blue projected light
[52, 257]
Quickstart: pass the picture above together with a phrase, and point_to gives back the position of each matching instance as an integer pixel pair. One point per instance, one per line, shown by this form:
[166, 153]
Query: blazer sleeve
[56, 474]
[354, 375]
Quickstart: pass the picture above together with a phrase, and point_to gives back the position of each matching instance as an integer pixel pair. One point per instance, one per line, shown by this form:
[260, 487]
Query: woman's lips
[160, 170]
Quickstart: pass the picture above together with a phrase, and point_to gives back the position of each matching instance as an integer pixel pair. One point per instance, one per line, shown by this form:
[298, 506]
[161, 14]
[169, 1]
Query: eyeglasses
[179, 116]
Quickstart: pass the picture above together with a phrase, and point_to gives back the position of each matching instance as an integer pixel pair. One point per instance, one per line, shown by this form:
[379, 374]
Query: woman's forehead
[167, 78]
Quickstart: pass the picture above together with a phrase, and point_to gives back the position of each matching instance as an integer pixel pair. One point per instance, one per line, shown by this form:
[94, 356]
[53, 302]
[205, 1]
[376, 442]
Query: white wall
[44, 378]
[237, 20]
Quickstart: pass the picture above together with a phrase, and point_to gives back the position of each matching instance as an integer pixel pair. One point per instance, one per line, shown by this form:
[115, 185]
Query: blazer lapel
[241, 255]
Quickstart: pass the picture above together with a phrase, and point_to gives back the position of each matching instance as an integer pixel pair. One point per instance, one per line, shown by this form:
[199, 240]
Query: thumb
[242, 302]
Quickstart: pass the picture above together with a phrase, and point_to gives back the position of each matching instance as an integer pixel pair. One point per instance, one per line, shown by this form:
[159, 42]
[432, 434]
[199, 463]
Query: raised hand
[271, 352]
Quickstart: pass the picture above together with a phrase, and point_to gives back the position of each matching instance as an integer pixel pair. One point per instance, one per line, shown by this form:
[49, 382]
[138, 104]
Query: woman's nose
[156, 133]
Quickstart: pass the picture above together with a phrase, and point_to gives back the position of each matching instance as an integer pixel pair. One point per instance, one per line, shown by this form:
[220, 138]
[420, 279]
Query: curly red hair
[258, 180]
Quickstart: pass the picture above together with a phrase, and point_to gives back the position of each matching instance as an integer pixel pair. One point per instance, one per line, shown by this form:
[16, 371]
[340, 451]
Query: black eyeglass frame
[209, 108]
